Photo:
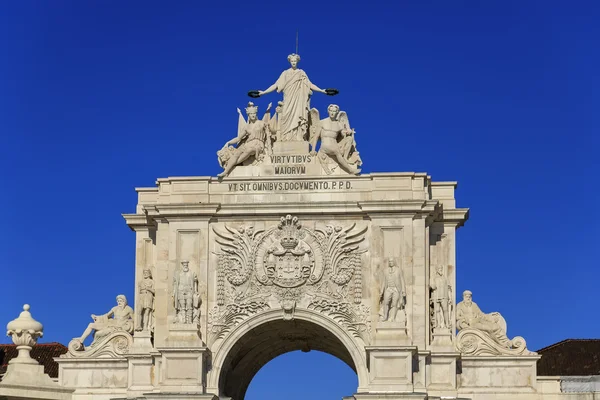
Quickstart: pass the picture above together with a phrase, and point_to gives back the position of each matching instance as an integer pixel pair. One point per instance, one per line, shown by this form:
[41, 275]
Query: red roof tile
[571, 357]
[44, 353]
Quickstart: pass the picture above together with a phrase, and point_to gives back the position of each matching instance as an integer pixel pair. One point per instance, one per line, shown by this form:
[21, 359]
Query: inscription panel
[307, 186]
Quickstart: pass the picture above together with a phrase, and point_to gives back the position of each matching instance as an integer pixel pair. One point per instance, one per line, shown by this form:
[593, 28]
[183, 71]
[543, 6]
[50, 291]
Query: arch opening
[269, 340]
[299, 376]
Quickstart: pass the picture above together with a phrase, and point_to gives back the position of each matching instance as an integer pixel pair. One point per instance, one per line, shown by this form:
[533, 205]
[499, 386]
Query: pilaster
[420, 284]
[162, 299]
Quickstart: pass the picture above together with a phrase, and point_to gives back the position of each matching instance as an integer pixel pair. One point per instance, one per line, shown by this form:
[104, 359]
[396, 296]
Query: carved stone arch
[265, 336]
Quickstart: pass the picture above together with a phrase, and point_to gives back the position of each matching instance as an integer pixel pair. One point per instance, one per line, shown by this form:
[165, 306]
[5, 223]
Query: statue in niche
[145, 306]
[251, 141]
[297, 90]
[440, 298]
[469, 315]
[119, 318]
[337, 140]
[392, 291]
[186, 297]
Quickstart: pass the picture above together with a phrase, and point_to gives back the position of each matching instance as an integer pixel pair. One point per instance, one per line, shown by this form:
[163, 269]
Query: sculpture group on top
[293, 121]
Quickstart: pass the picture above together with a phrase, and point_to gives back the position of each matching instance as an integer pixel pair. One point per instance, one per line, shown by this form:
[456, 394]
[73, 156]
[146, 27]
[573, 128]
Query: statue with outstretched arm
[297, 89]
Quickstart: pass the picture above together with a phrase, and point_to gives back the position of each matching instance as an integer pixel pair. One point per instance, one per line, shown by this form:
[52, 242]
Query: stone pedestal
[141, 371]
[182, 361]
[498, 374]
[94, 376]
[182, 370]
[290, 148]
[441, 374]
[140, 360]
[391, 368]
[391, 333]
[442, 338]
[142, 342]
[28, 381]
[183, 335]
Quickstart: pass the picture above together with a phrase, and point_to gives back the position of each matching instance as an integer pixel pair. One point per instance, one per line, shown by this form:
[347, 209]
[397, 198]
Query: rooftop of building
[44, 353]
[570, 357]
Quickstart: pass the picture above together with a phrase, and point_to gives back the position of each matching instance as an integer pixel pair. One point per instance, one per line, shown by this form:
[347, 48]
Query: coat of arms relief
[289, 266]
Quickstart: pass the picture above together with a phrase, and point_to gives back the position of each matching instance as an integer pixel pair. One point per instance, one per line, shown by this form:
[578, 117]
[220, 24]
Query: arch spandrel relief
[286, 266]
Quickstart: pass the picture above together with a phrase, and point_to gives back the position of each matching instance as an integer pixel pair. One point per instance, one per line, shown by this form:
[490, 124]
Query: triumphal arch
[290, 248]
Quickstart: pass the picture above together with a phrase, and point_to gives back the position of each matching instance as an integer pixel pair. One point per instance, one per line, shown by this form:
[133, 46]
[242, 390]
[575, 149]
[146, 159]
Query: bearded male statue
[469, 315]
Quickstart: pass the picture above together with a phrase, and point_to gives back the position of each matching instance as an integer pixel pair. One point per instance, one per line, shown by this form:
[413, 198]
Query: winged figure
[341, 245]
[237, 254]
[274, 123]
[268, 128]
[250, 140]
[337, 140]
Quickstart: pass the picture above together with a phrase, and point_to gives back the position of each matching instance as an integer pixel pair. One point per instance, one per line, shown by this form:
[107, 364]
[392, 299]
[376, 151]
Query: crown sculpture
[287, 135]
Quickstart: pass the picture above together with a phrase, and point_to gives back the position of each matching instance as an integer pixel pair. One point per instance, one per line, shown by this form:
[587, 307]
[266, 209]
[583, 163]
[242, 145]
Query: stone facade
[307, 248]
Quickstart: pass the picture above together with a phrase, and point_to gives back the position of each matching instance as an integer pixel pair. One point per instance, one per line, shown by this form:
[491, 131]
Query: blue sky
[97, 98]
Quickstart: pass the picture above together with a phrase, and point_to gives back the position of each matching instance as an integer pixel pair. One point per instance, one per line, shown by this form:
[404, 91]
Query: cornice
[455, 216]
[137, 221]
[377, 208]
[295, 208]
[204, 210]
[414, 207]
[454, 184]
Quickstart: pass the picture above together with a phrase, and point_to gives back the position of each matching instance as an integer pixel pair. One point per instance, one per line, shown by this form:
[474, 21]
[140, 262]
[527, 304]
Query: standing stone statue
[251, 140]
[469, 315]
[297, 89]
[392, 290]
[145, 313]
[185, 294]
[103, 325]
[440, 297]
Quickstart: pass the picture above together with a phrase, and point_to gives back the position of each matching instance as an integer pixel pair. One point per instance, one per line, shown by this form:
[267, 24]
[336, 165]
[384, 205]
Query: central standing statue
[297, 89]
[185, 294]
[392, 291]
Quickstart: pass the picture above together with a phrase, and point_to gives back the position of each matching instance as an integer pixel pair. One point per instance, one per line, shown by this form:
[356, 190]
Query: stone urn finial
[24, 332]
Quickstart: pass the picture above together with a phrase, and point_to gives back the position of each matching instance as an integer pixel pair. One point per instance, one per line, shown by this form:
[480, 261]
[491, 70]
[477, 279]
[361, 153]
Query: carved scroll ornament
[115, 345]
[473, 342]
